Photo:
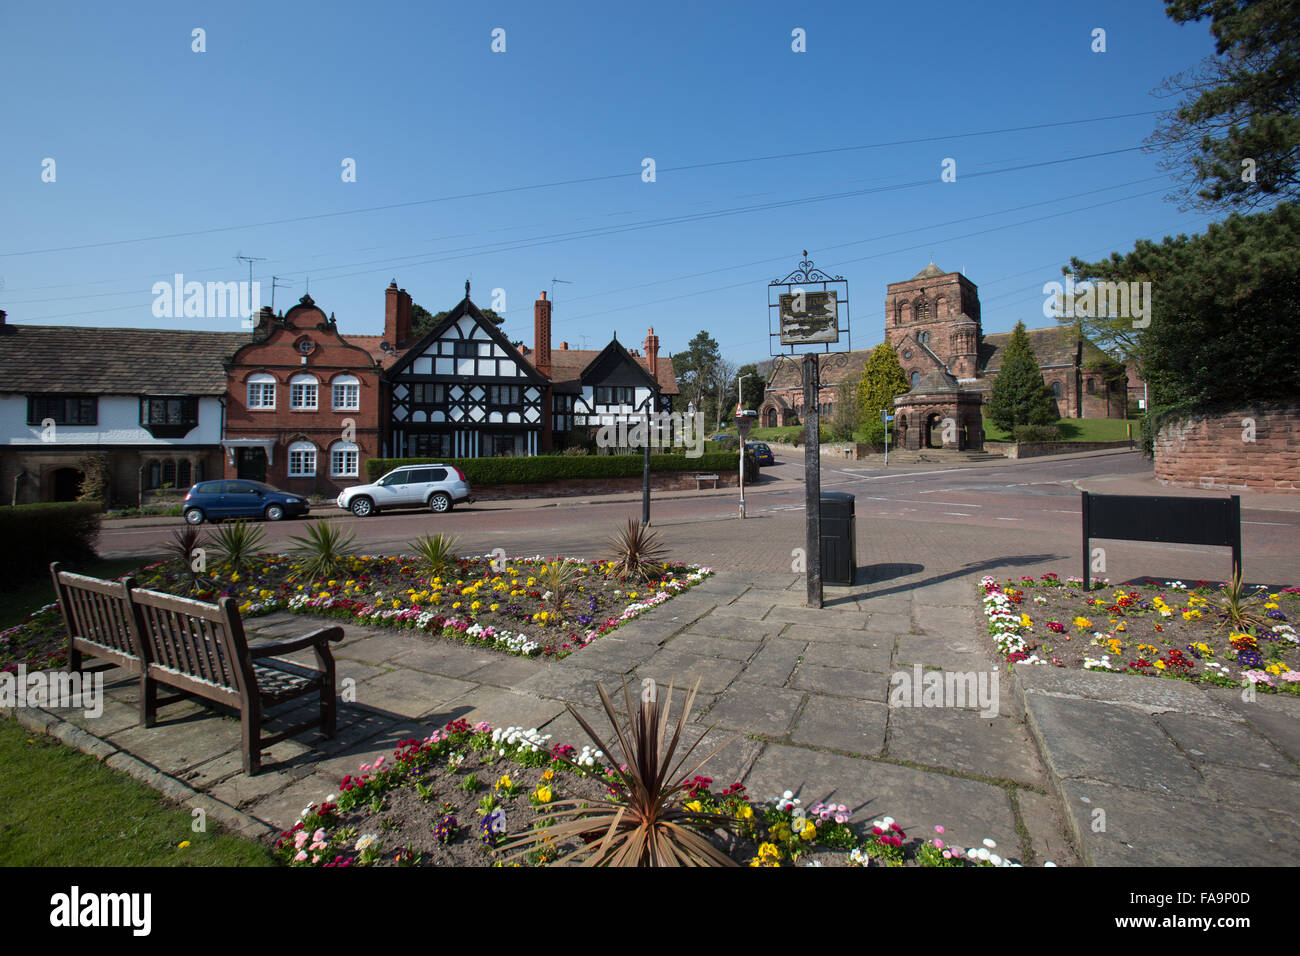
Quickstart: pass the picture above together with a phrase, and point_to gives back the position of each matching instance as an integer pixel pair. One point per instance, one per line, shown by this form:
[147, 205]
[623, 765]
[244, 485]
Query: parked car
[762, 454]
[240, 498]
[436, 487]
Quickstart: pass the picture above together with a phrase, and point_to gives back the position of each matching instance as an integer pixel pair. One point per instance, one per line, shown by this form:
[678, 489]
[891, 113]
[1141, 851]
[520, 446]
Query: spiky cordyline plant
[237, 543]
[323, 549]
[1231, 607]
[643, 823]
[185, 541]
[558, 577]
[638, 552]
[434, 552]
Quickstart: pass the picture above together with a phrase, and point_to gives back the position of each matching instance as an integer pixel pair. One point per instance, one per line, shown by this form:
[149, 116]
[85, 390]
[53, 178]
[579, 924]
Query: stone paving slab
[807, 692]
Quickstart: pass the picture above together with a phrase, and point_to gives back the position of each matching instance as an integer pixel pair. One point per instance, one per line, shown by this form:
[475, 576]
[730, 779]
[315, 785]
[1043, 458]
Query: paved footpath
[1180, 774]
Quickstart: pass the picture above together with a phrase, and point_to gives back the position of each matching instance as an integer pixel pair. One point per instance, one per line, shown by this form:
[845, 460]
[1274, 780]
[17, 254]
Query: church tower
[933, 322]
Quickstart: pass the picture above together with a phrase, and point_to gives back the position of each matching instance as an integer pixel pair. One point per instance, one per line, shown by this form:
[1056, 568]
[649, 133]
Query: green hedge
[519, 471]
[31, 536]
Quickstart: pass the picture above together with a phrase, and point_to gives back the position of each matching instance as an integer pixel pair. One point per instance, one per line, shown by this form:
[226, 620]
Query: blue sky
[152, 139]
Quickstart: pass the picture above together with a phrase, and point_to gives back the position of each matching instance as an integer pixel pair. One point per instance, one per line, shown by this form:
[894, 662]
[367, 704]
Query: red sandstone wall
[659, 481]
[1253, 448]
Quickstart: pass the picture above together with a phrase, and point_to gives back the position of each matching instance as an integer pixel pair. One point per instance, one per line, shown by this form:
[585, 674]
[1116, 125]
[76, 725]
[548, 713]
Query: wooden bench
[700, 479]
[201, 650]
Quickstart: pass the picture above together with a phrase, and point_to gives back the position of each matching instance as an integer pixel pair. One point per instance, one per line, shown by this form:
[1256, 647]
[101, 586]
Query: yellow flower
[745, 812]
[476, 605]
[504, 783]
[1271, 606]
[695, 806]
[1025, 621]
[183, 844]
[543, 794]
[493, 607]
[1082, 623]
[549, 775]
[456, 605]
[809, 831]
[396, 603]
[1160, 665]
[768, 855]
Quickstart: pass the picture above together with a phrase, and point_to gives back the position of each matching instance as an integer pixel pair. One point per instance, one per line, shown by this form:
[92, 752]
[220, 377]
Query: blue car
[762, 454]
[240, 498]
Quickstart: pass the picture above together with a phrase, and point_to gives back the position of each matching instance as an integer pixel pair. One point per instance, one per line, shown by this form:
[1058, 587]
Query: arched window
[261, 391]
[302, 460]
[1056, 389]
[345, 393]
[344, 460]
[303, 392]
[916, 377]
[153, 475]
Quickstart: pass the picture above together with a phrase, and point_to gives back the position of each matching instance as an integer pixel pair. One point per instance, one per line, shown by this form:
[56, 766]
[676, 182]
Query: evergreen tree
[883, 379]
[1020, 396]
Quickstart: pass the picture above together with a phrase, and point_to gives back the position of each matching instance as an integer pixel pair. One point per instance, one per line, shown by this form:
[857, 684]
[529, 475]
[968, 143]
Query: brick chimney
[542, 334]
[652, 352]
[397, 316]
[564, 346]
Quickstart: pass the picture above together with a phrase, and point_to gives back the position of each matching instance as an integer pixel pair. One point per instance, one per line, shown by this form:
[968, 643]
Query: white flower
[990, 844]
[1049, 863]
[365, 841]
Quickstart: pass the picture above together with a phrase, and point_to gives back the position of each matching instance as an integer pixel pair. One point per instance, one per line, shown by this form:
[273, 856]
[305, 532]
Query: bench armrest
[319, 639]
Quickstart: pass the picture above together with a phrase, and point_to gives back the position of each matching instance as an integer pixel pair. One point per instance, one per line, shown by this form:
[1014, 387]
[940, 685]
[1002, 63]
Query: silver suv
[436, 487]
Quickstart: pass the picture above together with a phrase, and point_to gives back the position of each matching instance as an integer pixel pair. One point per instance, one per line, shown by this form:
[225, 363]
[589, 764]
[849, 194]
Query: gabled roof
[614, 352]
[567, 366]
[465, 307]
[61, 358]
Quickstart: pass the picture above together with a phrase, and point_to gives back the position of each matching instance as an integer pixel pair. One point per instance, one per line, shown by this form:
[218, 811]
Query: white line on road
[957, 514]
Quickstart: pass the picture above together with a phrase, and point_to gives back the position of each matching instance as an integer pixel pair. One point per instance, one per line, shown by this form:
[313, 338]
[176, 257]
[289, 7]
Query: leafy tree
[1241, 105]
[845, 418]
[1020, 396]
[752, 386]
[1223, 323]
[883, 379]
[697, 374]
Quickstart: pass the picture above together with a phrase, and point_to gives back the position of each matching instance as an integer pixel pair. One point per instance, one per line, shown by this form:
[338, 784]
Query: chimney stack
[652, 352]
[397, 316]
[564, 346]
[542, 334]
[3, 316]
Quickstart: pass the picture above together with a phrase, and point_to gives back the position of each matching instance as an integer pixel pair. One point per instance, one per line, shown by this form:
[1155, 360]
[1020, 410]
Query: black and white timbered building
[463, 391]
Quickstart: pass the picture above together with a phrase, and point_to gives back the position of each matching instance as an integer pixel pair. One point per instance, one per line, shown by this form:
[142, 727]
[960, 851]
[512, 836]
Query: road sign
[885, 416]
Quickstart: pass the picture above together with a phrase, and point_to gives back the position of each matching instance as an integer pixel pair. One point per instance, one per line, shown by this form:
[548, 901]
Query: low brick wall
[573, 487]
[1251, 448]
[1038, 448]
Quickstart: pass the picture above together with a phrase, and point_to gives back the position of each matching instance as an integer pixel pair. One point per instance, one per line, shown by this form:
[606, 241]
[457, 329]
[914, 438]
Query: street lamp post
[645, 467]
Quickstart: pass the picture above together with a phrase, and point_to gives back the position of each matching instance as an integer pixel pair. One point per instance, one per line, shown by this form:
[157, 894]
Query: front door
[251, 464]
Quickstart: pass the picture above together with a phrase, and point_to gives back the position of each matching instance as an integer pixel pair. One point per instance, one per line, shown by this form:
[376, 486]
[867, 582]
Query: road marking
[1283, 524]
[1006, 519]
[957, 514]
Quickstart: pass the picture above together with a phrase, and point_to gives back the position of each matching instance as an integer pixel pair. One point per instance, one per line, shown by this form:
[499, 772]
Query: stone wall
[1036, 449]
[1250, 448]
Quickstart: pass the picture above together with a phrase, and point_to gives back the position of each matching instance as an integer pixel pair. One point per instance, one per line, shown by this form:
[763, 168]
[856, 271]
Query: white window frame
[302, 457]
[345, 448]
[350, 386]
[261, 385]
[299, 386]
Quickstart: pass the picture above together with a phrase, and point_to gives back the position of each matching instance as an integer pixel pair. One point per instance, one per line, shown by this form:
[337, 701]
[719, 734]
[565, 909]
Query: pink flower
[938, 844]
[302, 855]
[938, 830]
[299, 839]
[319, 836]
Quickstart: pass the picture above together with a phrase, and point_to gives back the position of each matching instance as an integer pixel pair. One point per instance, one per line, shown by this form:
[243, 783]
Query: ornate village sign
[808, 323]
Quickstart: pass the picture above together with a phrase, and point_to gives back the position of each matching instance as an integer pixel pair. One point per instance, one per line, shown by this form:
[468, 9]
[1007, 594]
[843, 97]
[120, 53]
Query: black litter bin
[839, 538]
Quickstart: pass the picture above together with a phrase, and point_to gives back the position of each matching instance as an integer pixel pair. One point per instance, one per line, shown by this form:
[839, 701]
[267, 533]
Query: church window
[1056, 389]
[916, 377]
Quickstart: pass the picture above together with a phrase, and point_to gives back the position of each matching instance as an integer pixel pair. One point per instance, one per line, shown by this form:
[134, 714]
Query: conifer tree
[1020, 396]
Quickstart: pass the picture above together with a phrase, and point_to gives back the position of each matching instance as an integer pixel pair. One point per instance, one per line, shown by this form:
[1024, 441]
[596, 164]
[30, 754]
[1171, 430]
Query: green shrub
[518, 471]
[1032, 433]
[31, 536]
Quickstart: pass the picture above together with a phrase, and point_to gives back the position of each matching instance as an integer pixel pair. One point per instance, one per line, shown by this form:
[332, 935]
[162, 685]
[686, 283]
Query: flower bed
[1162, 630]
[453, 798]
[501, 607]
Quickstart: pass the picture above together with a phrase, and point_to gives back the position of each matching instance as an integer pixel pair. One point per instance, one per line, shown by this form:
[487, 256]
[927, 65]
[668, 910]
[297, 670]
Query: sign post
[808, 324]
[744, 421]
[886, 418]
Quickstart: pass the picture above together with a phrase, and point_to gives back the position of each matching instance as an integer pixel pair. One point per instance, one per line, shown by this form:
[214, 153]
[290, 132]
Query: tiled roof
[567, 365]
[1054, 345]
[60, 358]
[832, 370]
[371, 344]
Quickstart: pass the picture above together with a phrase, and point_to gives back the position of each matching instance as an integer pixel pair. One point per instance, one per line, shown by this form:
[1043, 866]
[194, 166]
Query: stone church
[932, 320]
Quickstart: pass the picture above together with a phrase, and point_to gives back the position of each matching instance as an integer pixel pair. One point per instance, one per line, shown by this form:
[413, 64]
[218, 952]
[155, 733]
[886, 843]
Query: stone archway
[932, 435]
[941, 414]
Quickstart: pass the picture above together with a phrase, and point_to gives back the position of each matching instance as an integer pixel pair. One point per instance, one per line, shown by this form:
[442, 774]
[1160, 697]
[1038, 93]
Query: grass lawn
[21, 601]
[1078, 429]
[63, 808]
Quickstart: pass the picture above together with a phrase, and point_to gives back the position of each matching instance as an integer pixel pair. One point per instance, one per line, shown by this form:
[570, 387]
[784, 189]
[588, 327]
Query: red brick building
[306, 405]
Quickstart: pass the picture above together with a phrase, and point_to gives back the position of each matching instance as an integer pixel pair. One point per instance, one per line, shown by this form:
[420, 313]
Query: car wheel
[439, 503]
[362, 507]
[274, 512]
[193, 516]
